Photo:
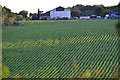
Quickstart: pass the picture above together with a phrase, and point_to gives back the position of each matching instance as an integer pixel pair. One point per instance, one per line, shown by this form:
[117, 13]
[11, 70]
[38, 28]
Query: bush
[65, 18]
[16, 23]
[58, 19]
[19, 17]
[11, 20]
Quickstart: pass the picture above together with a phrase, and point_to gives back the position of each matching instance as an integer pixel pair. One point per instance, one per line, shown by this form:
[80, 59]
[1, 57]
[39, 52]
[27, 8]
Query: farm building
[58, 12]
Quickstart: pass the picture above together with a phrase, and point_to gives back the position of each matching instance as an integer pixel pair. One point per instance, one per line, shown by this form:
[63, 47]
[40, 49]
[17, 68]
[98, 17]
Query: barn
[59, 12]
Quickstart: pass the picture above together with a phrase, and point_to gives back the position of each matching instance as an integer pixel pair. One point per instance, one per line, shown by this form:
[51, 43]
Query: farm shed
[58, 12]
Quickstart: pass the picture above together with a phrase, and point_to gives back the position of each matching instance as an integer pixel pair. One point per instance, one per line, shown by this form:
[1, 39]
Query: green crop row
[61, 49]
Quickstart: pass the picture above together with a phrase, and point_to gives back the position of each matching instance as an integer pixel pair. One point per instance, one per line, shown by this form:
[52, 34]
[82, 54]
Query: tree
[75, 13]
[99, 10]
[19, 17]
[8, 17]
[35, 16]
[30, 14]
[11, 20]
[118, 7]
[88, 10]
[69, 8]
[39, 12]
[23, 13]
[5, 11]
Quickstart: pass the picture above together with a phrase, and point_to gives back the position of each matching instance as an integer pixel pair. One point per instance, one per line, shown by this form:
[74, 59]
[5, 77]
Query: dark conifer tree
[38, 13]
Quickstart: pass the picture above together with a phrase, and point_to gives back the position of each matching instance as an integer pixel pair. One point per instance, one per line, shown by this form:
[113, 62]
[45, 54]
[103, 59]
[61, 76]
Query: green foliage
[5, 11]
[65, 18]
[9, 18]
[23, 13]
[19, 17]
[5, 72]
[38, 14]
[76, 13]
[16, 76]
[35, 16]
[0, 8]
[9, 21]
[69, 8]
[61, 48]
[101, 10]
[30, 15]
[118, 7]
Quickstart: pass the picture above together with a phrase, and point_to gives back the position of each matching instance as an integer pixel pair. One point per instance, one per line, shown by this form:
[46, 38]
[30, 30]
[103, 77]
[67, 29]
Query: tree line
[11, 18]
[100, 10]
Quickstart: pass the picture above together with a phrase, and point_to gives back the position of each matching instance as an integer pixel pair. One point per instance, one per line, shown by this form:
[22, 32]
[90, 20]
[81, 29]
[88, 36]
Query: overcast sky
[46, 5]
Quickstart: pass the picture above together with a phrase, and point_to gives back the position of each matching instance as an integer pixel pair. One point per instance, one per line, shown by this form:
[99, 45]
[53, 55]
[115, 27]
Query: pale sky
[46, 5]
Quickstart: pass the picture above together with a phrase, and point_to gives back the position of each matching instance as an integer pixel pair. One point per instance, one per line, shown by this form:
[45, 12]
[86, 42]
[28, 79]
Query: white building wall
[60, 14]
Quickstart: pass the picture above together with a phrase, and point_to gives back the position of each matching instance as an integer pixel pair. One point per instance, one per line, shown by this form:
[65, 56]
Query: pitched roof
[59, 8]
[48, 12]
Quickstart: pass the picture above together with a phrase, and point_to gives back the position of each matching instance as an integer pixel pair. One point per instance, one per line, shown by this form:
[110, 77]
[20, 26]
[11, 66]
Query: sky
[46, 5]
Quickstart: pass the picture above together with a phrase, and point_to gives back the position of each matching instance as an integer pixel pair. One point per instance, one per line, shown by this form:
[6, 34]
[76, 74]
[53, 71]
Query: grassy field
[61, 49]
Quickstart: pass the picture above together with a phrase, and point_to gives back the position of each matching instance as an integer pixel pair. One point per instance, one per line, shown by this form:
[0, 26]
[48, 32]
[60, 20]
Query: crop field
[61, 49]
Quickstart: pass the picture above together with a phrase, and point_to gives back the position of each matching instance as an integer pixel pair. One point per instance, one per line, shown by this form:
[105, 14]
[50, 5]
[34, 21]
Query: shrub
[65, 18]
[11, 20]
[19, 17]
[58, 19]
[16, 23]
